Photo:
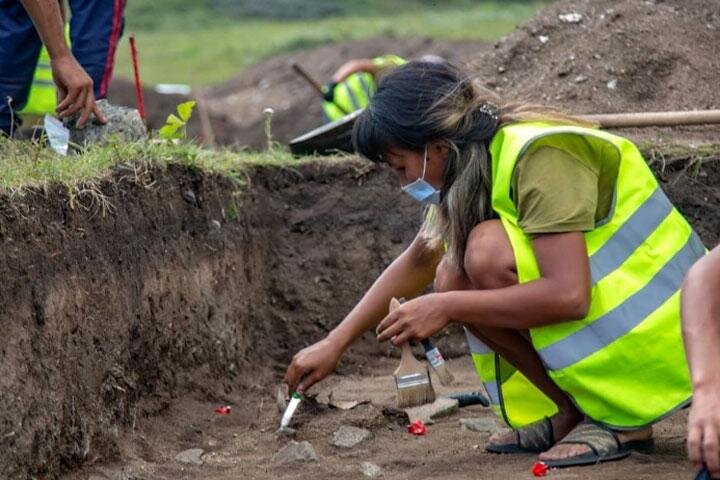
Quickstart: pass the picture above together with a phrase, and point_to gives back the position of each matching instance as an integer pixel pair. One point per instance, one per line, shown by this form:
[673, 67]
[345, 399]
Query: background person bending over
[354, 83]
[82, 76]
[564, 265]
[701, 329]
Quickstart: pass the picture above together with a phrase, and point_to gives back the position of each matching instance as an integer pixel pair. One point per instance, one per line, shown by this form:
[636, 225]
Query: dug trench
[128, 310]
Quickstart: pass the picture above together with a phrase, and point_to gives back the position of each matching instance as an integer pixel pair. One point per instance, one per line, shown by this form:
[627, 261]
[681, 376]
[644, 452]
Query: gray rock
[370, 470]
[573, 17]
[441, 407]
[191, 456]
[478, 424]
[348, 437]
[295, 452]
[122, 122]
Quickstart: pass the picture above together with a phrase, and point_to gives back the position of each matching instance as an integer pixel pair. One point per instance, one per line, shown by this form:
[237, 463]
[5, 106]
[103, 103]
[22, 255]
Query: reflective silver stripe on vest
[44, 83]
[626, 316]
[351, 95]
[365, 88]
[492, 390]
[475, 344]
[630, 235]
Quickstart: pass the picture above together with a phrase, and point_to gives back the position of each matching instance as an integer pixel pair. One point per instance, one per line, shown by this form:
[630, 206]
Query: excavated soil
[126, 323]
[124, 329]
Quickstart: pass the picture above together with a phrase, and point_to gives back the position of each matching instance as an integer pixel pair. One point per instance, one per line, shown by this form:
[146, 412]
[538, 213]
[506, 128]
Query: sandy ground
[242, 444]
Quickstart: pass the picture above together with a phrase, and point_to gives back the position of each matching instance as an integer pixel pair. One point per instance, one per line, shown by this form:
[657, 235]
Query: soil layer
[190, 288]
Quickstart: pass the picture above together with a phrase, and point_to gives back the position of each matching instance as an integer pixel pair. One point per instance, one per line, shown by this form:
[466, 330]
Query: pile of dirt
[604, 56]
[584, 56]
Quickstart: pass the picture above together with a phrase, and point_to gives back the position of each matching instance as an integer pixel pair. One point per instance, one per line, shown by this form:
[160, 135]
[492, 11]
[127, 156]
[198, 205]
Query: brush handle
[470, 398]
[432, 354]
[407, 356]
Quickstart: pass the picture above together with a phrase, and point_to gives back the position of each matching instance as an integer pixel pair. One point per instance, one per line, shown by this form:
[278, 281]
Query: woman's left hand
[414, 320]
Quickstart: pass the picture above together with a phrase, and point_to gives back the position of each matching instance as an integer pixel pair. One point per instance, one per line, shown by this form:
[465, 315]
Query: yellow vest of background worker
[42, 98]
[624, 364]
[355, 91]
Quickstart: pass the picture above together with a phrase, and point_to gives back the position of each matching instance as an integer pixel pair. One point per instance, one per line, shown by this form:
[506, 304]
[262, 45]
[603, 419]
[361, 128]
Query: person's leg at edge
[19, 52]
[489, 263]
[95, 30]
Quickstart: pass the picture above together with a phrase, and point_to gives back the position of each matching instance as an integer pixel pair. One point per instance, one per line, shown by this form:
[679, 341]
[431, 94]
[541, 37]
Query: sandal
[603, 442]
[534, 438]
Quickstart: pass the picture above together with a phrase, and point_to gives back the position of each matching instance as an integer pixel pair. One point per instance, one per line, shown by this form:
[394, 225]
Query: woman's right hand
[312, 364]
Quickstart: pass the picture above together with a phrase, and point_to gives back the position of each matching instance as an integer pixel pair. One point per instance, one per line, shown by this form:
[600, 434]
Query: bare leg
[489, 263]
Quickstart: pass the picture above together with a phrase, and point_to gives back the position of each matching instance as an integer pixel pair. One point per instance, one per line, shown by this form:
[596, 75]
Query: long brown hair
[421, 102]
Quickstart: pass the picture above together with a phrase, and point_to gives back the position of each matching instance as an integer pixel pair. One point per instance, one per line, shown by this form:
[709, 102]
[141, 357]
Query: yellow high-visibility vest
[355, 91]
[624, 364]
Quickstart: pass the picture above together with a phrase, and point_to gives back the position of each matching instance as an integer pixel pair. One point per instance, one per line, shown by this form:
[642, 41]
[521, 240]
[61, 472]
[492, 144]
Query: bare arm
[561, 294]
[701, 331]
[354, 66]
[48, 20]
[74, 84]
[412, 271]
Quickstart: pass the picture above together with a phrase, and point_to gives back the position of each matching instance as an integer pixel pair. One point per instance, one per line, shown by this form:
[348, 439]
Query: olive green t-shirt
[556, 192]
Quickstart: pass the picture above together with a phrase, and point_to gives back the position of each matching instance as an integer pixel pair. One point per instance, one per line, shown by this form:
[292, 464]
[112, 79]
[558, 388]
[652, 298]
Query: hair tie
[491, 110]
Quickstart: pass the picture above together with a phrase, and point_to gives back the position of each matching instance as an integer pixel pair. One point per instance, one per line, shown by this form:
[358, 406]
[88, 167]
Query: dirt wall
[184, 285]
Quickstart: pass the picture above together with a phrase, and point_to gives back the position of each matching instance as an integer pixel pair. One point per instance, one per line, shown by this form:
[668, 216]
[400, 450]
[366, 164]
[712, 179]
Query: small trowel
[295, 400]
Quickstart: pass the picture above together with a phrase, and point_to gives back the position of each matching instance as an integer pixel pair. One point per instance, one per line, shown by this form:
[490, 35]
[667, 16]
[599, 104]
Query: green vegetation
[199, 43]
[32, 165]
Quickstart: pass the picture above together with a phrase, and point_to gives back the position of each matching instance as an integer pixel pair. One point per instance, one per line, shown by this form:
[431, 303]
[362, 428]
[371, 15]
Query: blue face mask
[421, 190]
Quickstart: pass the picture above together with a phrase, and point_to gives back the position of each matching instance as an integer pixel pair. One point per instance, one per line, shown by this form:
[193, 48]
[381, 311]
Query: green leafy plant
[176, 125]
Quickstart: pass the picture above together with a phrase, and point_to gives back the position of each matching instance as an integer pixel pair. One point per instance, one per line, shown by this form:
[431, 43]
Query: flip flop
[534, 438]
[603, 442]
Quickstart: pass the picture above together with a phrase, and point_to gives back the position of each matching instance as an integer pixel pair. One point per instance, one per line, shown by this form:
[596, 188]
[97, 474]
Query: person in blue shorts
[81, 75]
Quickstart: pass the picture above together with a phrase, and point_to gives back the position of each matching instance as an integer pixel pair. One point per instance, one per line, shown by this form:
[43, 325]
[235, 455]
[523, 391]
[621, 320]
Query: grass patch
[198, 53]
[30, 165]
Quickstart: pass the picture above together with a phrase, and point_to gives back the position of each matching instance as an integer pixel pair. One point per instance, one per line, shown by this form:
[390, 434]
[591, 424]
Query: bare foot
[566, 450]
[562, 423]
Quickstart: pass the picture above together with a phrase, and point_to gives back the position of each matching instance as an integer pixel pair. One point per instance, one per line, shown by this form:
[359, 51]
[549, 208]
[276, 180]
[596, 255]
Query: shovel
[337, 135]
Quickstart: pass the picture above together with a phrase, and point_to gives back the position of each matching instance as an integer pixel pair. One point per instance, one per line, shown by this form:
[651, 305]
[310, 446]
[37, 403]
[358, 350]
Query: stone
[295, 452]
[348, 437]
[441, 407]
[478, 424]
[191, 456]
[370, 470]
[573, 17]
[122, 122]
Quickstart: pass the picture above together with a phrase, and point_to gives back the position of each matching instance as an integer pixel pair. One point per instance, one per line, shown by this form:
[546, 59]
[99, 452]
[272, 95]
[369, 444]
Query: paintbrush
[412, 377]
[437, 362]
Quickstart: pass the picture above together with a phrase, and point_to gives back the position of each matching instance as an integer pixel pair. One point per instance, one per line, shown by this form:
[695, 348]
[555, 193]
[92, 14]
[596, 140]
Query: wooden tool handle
[304, 74]
[654, 119]
[405, 350]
